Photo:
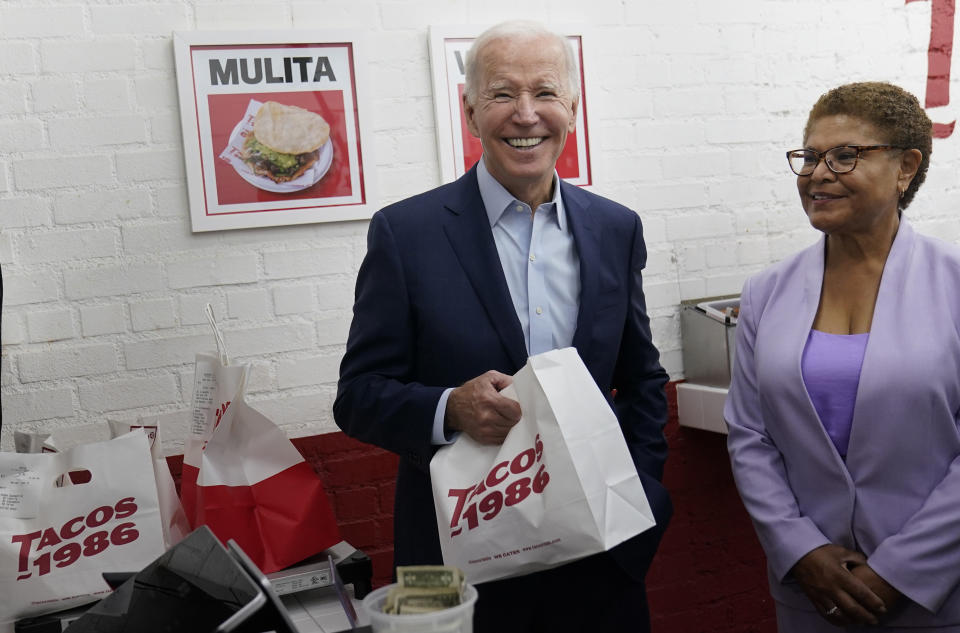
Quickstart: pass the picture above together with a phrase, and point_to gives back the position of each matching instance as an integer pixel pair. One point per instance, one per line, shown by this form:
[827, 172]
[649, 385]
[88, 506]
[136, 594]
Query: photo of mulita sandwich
[285, 142]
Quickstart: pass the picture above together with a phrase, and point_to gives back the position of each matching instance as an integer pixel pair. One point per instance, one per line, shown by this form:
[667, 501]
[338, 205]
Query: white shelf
[701, 407]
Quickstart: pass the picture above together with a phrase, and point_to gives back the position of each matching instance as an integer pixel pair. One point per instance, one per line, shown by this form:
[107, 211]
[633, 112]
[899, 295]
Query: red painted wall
[708, 577]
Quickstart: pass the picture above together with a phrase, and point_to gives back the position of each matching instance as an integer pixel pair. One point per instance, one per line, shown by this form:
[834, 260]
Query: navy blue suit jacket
[433, 311]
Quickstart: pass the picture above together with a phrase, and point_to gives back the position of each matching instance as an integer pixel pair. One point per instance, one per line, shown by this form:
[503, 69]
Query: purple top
[831, 373]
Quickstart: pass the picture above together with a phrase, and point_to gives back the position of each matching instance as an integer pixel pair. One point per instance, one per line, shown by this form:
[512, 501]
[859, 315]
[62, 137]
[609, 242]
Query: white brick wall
[161, 352]
[17, 58]
[107, 95]
[302, 372]
[72, 134]
[13, 98]
[26, 288]
[54, 95]
[71, 171]
[31, 22]
[23, 211]
[67, 362]
[249, 305]
[21, 135]
[102, 319]
[128, 393]
[26, 406]
[101, 206]
[297, 299]
[52, 325]
[217, 271]
[691, 106]
[38, 248]
[152, 314]
[112, 280]
[102, 54]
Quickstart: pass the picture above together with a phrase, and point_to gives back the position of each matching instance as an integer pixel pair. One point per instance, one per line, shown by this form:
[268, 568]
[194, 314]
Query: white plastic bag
[175, 524]
[562, 485]
[59, 440]
[55, 542]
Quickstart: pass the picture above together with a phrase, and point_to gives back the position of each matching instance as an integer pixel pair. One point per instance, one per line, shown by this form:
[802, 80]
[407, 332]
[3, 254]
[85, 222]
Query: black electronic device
[198, 586]
[265, 612]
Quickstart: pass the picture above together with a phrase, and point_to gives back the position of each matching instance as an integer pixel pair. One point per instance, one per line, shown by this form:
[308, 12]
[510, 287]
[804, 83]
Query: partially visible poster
[274, 128]
[458, 149]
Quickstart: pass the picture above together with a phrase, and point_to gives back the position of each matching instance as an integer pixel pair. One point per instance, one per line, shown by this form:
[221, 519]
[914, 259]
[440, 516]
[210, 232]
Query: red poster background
[939, 54]
[568, 165]
[226, 110]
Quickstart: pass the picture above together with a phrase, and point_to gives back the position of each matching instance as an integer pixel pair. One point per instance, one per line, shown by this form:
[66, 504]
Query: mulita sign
[273, 127]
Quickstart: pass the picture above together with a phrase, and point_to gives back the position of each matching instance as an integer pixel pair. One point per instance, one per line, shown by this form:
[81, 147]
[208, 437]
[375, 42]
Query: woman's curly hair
[892, 110]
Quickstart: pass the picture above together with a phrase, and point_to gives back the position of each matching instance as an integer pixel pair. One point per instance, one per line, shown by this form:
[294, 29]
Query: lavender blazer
[897, 497]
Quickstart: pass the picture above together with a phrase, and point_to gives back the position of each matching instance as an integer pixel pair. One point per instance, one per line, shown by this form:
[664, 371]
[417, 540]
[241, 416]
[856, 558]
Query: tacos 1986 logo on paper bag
[508, 483]
[63, 545]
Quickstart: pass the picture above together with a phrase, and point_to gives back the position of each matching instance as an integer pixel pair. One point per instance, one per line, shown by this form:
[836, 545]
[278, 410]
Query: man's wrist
[442, 434]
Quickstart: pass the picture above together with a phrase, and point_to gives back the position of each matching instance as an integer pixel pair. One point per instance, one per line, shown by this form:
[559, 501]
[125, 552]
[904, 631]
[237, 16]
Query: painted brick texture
[690, 104]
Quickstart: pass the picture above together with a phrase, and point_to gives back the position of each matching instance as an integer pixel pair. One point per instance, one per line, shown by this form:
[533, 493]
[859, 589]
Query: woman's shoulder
[936, 248]
[934, 265]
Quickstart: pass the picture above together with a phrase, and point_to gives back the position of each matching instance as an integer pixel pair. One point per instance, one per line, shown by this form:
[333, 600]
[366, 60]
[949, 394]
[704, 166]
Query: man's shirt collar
[496, 199]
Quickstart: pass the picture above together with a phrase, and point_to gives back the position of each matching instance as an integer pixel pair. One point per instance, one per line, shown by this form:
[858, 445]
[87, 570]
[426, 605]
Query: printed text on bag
[77, 537]
[513, 491]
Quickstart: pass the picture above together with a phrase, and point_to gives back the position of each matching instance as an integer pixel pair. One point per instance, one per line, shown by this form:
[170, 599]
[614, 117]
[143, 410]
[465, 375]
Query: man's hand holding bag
[562, 485]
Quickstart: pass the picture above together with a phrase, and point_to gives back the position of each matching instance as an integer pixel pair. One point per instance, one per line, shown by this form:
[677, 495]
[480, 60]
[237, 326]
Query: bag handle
[222, 349]
[221, 346]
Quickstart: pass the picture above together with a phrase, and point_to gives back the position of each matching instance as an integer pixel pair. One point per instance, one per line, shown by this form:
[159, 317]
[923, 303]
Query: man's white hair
[519, 29]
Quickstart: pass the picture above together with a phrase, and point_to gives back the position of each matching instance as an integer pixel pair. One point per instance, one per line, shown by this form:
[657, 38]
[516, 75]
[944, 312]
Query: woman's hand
[839, 595]
[891, 596]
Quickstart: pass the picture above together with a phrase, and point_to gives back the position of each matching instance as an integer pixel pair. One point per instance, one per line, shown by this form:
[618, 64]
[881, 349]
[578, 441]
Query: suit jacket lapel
[887, 331]
[795, 330]
[468, 229]
[587, 237]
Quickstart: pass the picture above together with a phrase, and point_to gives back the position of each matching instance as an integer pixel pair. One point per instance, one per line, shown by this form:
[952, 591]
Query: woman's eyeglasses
[839, 160]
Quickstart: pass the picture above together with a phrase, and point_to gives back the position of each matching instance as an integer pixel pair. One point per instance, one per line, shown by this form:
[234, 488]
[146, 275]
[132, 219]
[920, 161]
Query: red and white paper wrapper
[245, 480]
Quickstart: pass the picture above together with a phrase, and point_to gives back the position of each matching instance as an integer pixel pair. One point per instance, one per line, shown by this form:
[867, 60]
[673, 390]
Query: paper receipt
[20, 489]
[204, 386]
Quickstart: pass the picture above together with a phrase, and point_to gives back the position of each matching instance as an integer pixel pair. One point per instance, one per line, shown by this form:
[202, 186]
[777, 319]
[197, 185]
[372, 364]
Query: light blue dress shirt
[542, 268]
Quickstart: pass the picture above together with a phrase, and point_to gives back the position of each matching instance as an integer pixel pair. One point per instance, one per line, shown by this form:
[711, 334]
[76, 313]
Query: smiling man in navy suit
[462, 283]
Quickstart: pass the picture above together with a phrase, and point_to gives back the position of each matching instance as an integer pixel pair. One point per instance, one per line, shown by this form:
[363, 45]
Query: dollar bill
[429, 576]
[425, 588]
[436, 599]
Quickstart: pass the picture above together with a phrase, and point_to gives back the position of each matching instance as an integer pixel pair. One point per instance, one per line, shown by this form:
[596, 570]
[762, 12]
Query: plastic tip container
[458, 619]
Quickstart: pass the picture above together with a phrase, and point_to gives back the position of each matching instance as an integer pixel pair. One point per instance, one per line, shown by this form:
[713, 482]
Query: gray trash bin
[708, 329]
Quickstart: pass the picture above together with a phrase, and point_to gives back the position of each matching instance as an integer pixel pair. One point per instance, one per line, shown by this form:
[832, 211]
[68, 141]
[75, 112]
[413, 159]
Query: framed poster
[275, 129]
[458, 149]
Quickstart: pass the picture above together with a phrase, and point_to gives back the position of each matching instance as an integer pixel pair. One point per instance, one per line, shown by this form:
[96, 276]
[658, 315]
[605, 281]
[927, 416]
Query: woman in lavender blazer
[843, 409]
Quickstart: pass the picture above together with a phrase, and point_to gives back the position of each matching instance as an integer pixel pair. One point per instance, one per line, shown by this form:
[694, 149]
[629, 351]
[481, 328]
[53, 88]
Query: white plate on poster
[307, 179]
